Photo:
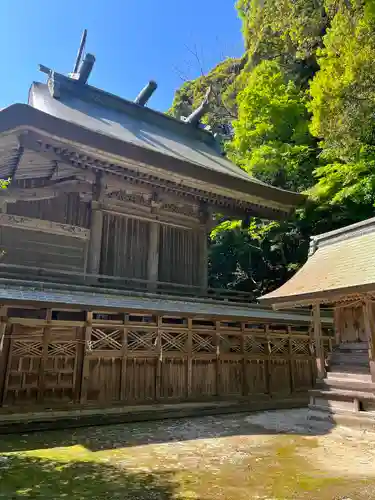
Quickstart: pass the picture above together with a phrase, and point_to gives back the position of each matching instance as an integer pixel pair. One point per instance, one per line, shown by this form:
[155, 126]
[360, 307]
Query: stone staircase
[348, 386]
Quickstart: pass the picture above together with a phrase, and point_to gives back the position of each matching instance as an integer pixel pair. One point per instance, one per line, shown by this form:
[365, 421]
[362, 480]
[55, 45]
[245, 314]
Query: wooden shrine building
[103, 275]
[340, 272]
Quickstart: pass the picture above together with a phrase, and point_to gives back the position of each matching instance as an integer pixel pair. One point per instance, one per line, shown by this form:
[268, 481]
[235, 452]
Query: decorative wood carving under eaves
[181, 209]
[44, 226]
[137, 198]
[137, 177]
[48, 191]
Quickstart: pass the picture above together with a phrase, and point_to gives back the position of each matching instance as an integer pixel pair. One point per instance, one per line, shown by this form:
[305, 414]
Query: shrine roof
[135, 136]
[340, 263]
[131, 123]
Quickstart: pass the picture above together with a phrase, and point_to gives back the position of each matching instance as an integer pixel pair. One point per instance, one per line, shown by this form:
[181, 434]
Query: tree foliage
[302, 105]
[272, 139]
[343, 106]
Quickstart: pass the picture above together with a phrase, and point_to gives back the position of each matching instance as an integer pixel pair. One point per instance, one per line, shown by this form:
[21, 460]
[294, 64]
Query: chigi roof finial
[82, 66]
[80, 51]
[198, 113]
[146, 93]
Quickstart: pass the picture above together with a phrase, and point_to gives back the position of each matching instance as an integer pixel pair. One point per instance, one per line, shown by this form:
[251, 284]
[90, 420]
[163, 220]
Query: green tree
[343, 105]
[302, 102]
[223, 81]
[272, 139]
[287, 30]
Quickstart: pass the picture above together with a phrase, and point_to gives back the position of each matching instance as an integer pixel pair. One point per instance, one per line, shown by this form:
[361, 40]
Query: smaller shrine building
[339, 272]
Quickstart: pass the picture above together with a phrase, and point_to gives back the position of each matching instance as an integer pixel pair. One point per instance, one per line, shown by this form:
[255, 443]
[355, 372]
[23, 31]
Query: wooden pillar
[44, 358]
[153, 255]
[319, 350]
[95, 243]
[4, 353]
[86, 360]
[3, 206]
[218, 360]
[189, 359]
[368, 318]
[203, 260]
[205, 216]
[124, 360]
[159, 363]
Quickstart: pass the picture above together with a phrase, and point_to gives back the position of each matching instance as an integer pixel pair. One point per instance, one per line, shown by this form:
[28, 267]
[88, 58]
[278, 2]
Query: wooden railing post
[319, 350]
[370, 334]
[86, 361]
[218, 360]
[189, 358]
[4, 352]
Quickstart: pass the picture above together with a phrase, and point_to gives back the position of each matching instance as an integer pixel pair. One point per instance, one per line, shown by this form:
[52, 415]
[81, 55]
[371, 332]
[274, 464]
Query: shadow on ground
[269, 455]
[32, 477]
[156, 432]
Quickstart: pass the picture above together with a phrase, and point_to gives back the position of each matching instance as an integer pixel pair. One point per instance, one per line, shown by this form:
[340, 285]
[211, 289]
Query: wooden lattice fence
[142, 358]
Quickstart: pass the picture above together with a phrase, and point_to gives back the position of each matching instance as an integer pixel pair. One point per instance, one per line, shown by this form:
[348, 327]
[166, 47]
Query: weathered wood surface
[317, 332]
[54, 358]
[349, 323]
[131, 240]
[34, 248]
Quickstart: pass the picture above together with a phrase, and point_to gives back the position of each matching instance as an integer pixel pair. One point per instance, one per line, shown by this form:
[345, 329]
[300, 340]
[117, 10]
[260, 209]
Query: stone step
[358, 352]
[349, 369]
[352, 347]
[337, 394]
[344, 359]
[360, 420]
[348, 384]
[364, 377]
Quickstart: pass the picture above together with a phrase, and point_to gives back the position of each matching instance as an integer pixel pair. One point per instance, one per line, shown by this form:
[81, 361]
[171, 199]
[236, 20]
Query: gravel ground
[269, 455]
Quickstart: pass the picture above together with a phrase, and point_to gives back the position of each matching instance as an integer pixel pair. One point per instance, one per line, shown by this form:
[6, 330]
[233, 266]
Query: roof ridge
[96, 95]
[347, 232]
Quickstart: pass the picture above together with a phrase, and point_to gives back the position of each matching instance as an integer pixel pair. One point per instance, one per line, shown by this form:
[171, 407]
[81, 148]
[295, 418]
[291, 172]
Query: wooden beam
[137, 175]
[50, 190]
[319, 351]
[368, 319]
[44, 226]
[17, 161]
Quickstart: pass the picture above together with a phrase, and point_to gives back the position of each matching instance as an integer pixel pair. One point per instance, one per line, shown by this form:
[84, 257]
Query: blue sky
[133, 41]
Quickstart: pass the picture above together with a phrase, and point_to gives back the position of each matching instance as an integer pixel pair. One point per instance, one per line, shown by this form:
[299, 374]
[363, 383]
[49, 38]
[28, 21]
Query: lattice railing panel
[256, 345]
[106, 339]
[63, 349]
[300, 346]
[29, 348]
[174, 341]
[142, 340]
[203, 342]
[279, 346]
[230, 343]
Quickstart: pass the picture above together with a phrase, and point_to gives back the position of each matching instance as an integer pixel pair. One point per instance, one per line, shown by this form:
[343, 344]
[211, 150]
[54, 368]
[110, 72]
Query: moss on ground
[187, 459]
